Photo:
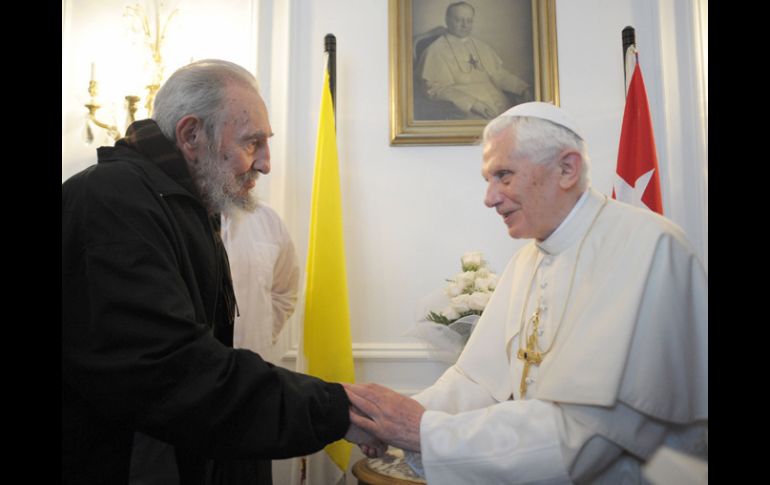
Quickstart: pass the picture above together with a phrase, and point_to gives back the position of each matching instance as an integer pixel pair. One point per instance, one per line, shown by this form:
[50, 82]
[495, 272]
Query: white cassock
[263, 264]
[449, 76]
[626, 373]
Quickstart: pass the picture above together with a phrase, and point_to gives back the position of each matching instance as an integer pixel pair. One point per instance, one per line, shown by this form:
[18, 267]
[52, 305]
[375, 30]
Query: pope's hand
[386, 414]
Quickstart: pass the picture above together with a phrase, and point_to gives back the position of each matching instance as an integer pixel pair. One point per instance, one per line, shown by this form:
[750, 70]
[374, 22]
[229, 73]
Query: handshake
[380, 417]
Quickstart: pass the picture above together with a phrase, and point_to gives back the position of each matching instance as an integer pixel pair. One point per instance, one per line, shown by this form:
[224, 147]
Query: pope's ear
[570, 166]
[189, 136]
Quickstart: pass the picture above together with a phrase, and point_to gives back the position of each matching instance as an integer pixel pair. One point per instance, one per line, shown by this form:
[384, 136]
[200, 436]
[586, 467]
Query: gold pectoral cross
[530, 355]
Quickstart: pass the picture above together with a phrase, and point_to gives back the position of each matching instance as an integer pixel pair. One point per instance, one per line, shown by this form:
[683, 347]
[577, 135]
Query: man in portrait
[463, 73]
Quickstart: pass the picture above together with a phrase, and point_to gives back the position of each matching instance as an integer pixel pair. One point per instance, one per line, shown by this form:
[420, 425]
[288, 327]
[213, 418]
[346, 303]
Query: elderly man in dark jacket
[148, 305]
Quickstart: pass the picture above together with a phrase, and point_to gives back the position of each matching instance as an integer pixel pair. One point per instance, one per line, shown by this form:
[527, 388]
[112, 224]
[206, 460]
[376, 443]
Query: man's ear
[189, 136]
[570, 165]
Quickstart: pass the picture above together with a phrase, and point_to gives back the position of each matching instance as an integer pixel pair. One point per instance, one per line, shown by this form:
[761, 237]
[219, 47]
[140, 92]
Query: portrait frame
[405, 128]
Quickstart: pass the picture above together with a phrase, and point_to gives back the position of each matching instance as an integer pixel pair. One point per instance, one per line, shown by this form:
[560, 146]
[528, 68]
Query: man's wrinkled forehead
[497, 151]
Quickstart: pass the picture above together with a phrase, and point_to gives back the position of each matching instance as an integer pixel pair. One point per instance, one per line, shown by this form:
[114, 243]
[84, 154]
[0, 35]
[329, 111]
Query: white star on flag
[633, 194]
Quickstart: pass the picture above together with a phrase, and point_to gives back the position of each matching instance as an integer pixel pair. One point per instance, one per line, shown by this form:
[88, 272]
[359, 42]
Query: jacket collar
[145, 137]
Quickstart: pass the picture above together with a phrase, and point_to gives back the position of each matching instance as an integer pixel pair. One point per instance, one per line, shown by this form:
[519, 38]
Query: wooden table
[368, 476]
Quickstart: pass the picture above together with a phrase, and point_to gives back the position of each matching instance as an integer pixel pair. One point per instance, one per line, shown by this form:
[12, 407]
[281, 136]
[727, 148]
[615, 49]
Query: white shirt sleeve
[285, 282]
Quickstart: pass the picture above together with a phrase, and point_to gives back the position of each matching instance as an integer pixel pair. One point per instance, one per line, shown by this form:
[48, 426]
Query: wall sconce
[154, 34]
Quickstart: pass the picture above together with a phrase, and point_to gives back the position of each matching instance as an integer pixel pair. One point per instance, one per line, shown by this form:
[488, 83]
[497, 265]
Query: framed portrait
[456, 65]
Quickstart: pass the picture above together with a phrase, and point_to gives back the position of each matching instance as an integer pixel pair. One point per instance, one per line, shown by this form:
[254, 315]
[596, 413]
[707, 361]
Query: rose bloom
[461, 303]
[487, 283]
[466, 279]
[478, 300]
[453, 289]
[450, 313]
[471, 258]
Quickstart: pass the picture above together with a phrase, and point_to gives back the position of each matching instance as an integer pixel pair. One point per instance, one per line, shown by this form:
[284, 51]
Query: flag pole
[330, 47]
[628, 36]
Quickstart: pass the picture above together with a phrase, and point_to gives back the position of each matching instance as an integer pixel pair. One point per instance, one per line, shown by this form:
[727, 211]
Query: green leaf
[438, 318]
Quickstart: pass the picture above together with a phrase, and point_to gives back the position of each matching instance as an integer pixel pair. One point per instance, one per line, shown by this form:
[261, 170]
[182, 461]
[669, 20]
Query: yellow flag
[326, 340]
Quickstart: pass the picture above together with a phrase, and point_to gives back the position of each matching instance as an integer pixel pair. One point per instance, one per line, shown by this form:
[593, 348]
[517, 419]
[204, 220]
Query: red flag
[637, 181]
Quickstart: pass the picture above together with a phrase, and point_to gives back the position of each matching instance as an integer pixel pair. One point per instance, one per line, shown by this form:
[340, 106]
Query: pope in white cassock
[592, 352]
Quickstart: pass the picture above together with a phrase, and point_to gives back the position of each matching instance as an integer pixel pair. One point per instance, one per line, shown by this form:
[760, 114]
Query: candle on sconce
[93, 71]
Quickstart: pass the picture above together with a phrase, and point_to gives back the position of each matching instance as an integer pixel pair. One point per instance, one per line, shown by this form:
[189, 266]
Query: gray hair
[540, 141]
[198, 89]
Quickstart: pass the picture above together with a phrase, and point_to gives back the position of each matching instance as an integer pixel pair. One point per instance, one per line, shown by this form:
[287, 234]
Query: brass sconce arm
[92, 107]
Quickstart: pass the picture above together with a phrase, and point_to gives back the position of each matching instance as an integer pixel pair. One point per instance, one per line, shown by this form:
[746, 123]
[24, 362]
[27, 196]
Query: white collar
[574, 225]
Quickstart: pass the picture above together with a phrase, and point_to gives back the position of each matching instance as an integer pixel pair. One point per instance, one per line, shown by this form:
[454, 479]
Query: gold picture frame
[442, 121]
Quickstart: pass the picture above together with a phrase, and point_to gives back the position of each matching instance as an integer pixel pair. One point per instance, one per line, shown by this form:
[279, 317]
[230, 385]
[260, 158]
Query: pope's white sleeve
[612, 442]
[453, 392]
[503, 79]
[509, 442]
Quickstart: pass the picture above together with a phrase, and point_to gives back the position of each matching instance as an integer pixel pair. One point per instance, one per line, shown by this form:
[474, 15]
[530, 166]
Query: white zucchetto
[545, 111]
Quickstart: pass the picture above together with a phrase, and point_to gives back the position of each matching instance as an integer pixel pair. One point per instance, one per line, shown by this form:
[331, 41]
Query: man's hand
[370, 446]
[483, 109]
[386, 414]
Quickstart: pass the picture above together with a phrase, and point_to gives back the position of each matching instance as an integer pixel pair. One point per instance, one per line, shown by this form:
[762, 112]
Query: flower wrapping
[447, 316]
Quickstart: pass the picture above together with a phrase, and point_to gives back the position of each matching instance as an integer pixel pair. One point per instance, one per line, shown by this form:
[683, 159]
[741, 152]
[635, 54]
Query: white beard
[219, 187]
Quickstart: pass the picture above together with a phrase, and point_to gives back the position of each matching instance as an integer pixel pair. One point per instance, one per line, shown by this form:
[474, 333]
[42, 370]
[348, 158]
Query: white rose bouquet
[468, 291]
[447, 316]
